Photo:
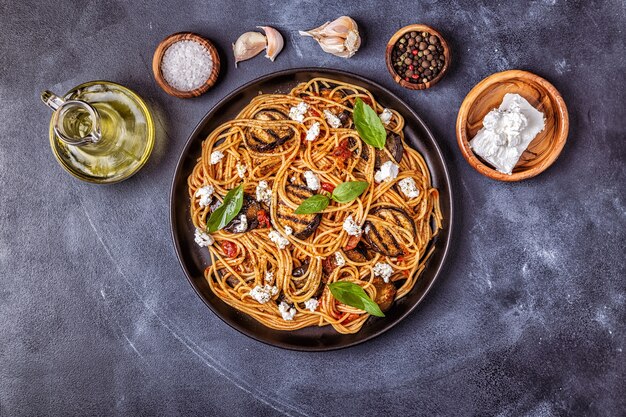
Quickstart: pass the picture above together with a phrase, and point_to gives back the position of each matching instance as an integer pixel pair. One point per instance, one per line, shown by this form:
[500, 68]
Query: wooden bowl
[417, 28]
[487, 95]
[158, 57]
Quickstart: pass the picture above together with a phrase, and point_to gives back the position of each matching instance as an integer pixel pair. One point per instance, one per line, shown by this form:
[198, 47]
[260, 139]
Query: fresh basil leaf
[348, 191]
[353, 295]
[368, 124]
[227, 211]
[313, 204]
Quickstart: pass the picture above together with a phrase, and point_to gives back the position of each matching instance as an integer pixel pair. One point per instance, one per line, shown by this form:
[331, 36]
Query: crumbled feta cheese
[269, 276]
[288, 230]
[203, 239]
[339, 259]
[312, 181]
[385, 116]
[243, 224]
[313, 132]
[383, 270]
[286, 311]
[292, 179]
[387, 172]
[206, 195]
[350, 226]
[280, 241]
[332, 120]
[263, 193]
[311, 304]
[263, 294]
[408, 187]
[241, 169]
[297, 112]
[216, 156]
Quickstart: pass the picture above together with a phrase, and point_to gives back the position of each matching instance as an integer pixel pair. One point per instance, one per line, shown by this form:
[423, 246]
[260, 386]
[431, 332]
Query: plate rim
[185, 150]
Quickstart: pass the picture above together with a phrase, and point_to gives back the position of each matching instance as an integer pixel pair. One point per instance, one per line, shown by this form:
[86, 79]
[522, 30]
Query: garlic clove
[248, 45]
[332, 45]
[314, 33]
[341, 26]
[352, 43]
[275, 42]
[339, 37]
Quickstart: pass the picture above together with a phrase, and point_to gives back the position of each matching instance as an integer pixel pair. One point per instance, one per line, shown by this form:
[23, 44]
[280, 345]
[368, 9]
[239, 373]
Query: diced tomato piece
[328, 265]
[264, 220]
[352, 242]
[229, 248]
[314, 112]
[343, 152]
[326, 186]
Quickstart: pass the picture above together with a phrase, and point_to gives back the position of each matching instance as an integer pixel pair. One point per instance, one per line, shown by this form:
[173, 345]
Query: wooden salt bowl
[158, 57]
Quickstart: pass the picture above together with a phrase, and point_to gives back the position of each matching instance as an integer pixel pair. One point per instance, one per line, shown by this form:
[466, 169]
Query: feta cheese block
[313, 132]
[332, 120]
[408, 187]
[507, 131]
[387, 172]
[312, 181]
[216, 157]
[350, 226]
[286, 311]
[383, 270]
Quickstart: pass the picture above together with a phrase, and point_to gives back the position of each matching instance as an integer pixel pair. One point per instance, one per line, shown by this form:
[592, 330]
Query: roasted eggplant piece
[385, 293]
[299, 271]
[393, 144]
[380, 237]
[359, 254]
[250, 208]
[264, 140]
[303, 225]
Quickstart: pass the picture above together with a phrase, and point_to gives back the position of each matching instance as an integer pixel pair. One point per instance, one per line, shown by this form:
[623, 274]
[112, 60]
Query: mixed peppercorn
[418, 57]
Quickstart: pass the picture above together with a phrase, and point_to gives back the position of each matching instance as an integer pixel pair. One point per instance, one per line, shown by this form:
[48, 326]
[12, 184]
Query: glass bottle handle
[60, 108]
[51, 100]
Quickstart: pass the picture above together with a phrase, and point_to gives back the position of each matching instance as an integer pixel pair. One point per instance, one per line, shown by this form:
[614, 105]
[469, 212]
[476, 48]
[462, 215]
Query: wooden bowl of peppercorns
[417, 57]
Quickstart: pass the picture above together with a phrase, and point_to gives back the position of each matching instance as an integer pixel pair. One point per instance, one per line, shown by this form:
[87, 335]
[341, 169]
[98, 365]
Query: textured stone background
[97, 318]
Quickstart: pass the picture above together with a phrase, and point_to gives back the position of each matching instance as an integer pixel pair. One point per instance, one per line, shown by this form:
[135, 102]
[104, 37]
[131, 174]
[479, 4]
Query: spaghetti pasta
[263, 146]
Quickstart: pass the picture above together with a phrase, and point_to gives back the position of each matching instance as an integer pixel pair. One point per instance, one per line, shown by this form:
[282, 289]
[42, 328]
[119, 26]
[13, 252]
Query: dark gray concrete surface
[97, 318]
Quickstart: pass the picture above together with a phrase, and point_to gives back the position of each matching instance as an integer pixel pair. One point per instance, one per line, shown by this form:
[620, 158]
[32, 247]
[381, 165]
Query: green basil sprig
[368, 124]
[348, 191]
[353, 295]
[313, 204]
[343, 193]
[227, 211]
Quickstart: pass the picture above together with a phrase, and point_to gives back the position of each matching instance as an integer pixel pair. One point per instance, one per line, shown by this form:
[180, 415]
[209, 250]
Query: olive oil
[126, 127]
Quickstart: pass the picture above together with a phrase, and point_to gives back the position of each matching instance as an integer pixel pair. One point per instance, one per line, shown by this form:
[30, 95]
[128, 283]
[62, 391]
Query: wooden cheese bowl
[158, 57]
[487, 95]
[417, 28]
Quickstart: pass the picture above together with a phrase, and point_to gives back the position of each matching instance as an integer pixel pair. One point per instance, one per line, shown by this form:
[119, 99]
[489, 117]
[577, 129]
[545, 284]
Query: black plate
[194, 261]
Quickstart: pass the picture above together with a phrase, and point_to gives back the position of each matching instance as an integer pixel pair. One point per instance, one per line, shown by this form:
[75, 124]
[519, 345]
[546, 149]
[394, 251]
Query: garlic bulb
[248, 45]
[339, 37]
[275, 42]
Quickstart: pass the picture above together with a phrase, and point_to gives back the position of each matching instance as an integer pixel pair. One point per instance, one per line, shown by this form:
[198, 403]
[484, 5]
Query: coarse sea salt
[186, 65]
